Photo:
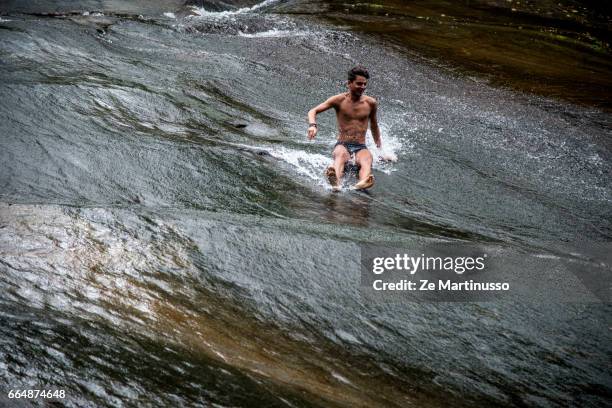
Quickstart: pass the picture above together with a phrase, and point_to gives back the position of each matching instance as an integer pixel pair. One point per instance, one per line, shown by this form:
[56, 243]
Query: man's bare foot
[365, 183]
[332, 179]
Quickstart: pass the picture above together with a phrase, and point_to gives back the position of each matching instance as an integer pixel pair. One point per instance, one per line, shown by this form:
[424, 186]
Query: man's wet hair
[358, 70]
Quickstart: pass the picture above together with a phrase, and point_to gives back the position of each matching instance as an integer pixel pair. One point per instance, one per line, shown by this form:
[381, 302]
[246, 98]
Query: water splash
[274, 33]
[202, 12]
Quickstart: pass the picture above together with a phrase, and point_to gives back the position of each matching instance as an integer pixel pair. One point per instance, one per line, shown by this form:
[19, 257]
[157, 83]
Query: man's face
[358, 85]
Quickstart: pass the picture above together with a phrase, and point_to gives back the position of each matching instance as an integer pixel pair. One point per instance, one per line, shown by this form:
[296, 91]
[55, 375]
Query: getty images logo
[412, 264]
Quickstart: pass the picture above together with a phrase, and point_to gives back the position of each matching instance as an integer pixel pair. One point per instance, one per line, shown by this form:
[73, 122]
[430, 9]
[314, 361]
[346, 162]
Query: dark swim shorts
[352, 147]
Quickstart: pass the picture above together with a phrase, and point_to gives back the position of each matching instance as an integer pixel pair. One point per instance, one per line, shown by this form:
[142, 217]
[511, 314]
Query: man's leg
[340, 156]
[364, 159]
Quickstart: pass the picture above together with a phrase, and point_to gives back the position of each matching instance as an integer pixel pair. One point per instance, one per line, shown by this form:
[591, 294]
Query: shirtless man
[353, 110]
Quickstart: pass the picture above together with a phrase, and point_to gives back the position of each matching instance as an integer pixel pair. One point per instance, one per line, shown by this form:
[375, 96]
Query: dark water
[167, 238]
[550, 48]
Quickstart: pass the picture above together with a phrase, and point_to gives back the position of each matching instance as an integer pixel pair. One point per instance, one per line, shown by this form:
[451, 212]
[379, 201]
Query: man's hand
[312, 132]
[387, 157]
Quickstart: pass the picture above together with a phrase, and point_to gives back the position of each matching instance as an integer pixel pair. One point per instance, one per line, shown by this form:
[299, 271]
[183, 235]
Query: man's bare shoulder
[371, 101]
[337, 99]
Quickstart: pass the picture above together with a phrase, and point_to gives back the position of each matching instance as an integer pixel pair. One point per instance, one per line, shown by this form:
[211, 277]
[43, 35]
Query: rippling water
[167, 237]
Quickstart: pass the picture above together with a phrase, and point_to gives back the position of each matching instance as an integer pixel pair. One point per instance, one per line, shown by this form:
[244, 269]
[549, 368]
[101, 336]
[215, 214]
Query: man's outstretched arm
[374, 125]
[312, 116]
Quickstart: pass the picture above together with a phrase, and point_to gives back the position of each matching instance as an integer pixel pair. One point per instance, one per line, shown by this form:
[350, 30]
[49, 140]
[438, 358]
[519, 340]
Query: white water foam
[310, 165]
[169, 15]
[202, 12]
[306, 164]
[274, 33]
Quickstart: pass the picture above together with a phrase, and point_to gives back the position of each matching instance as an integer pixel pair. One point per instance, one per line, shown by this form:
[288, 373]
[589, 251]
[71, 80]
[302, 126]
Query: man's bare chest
[354, 111]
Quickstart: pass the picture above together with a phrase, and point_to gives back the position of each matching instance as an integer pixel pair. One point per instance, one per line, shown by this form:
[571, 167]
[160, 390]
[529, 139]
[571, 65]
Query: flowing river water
[167, 237]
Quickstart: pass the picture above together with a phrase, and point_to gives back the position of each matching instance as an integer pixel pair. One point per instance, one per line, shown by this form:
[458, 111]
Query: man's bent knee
[340, 153]
[364, 157]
